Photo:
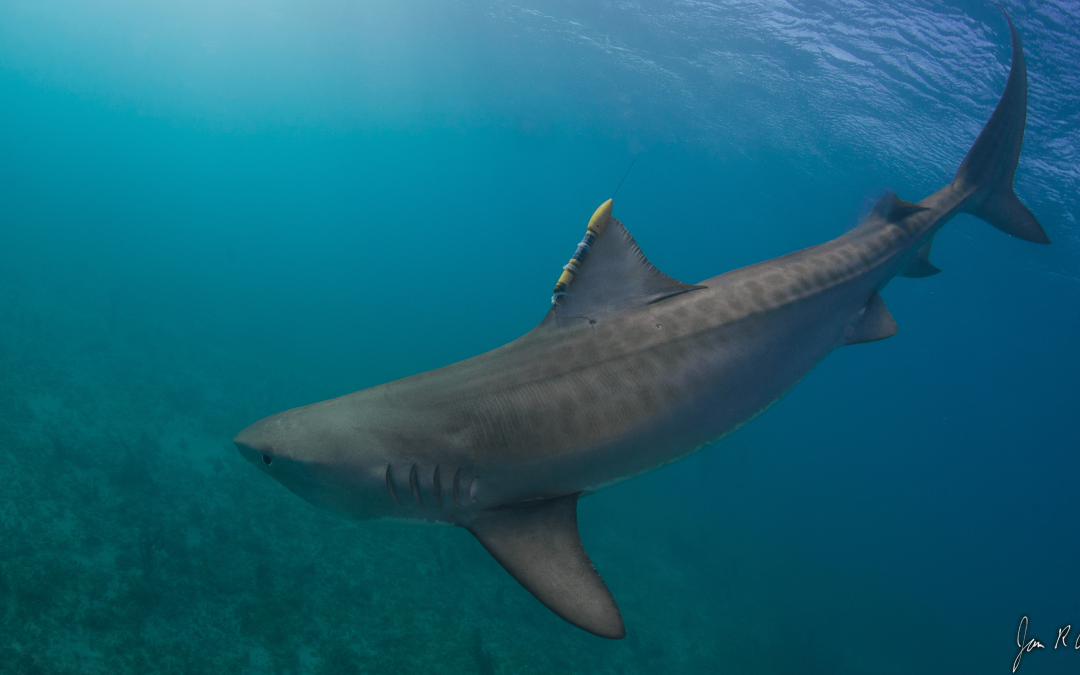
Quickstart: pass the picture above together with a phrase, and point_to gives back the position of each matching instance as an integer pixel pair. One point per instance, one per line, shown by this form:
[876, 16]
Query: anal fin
[874, 322]
[538, 544]
[921, 266]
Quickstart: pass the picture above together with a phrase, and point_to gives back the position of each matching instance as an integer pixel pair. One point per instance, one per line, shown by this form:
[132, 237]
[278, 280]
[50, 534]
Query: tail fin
[988, 170]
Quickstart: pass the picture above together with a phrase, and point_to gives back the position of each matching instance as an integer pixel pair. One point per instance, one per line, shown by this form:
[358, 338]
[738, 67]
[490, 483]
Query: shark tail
[988, 169]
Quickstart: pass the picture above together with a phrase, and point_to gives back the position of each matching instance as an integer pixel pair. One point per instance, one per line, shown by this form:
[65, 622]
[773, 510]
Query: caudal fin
[987, 171]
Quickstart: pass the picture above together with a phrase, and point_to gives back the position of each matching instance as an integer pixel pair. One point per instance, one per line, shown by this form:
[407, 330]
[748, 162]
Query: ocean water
[213, 211]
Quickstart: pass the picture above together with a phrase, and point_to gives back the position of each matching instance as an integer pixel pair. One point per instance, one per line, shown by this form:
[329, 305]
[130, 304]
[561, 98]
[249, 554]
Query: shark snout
[251, 454]
[250, 447]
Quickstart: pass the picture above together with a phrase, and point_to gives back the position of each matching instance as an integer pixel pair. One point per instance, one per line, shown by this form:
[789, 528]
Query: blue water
[213, 211]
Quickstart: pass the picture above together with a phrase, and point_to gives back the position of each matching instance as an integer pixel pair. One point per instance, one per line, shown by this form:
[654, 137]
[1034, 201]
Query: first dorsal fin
[615, 276]
[891, 208]
[538, 544]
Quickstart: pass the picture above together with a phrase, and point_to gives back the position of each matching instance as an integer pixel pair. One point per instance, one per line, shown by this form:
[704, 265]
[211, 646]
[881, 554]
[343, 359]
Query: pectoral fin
[874, 322]
[538, 544]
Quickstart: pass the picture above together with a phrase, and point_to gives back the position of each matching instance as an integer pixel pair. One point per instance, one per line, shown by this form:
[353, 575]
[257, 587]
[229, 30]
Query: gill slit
[390, 484]
[436, 486]
[414, 485]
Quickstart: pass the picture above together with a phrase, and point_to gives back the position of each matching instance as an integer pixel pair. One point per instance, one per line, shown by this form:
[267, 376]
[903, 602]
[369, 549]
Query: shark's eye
[268, 460]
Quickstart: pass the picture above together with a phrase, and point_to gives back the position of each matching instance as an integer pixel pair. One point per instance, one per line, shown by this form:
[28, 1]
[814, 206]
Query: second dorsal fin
[891, 208]
[615, 276]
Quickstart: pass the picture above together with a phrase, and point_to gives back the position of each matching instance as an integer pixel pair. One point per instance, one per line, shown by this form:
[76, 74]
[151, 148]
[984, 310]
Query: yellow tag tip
[600, 217]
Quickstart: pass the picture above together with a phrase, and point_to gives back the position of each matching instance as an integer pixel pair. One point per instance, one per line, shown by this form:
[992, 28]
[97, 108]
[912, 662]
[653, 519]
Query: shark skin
[630, 371]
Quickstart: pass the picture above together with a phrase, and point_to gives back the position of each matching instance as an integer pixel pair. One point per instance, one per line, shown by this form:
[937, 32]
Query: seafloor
[134, 539]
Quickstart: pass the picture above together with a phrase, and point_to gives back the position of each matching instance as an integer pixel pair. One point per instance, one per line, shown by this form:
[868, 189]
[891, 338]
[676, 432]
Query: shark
[629, 370]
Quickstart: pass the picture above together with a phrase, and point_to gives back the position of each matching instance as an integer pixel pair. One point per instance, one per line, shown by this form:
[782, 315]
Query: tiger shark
[628, 371]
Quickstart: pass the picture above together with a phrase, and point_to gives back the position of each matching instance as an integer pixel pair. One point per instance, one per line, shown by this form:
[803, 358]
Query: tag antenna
[623, 178]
